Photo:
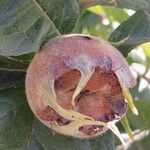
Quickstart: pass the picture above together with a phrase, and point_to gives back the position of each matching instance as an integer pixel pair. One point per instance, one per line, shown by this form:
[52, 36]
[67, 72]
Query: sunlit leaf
[132, 32]
[130, 4]
[114, 14]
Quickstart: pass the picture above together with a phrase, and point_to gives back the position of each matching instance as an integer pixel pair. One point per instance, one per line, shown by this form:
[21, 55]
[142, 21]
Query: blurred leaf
[143, 144]
[26, 24]
[87, 17]
[146, 48]
[94, 27]
[114, 14]
[45, 139]
[144, 95]
[132, 32]
[135, 58]
[143, 104]
[15, 120]
[133, 4]
[130, 4]
[141, 94]
[103, 19]
[143, 120]
[135, 91]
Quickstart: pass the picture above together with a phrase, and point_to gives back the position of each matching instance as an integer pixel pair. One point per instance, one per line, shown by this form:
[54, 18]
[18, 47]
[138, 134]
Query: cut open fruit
[78, 85]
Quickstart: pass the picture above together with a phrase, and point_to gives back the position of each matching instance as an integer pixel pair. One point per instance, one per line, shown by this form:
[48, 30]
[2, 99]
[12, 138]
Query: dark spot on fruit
[90, 130]
[86, 38]
[83, 92]
[119, 107]
[49, 114]
[62, 122]
[106, 117]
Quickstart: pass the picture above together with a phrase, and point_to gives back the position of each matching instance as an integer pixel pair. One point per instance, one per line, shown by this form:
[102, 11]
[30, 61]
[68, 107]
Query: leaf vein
[46, 15]
[8, 110]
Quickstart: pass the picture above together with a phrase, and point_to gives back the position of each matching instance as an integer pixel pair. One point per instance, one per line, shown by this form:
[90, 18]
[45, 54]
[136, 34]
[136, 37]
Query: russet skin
[78, 85]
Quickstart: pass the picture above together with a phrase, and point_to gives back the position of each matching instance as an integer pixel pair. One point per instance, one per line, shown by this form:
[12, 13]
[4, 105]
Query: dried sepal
[114, 129]
[85, 76]
[126, 93]
[125, 124]
[129, 99]
[50, 98]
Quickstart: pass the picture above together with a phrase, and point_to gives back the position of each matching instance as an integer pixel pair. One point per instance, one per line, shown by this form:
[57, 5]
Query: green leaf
[98, 14]
[146, 50]
[144, 95]
[94, 27]
[13, 64]
[146, 47]
[26, 24]
[143, 120]
[12, 72]
[15, 120]
[24, 57]
[133, 4]
[112, 13]
[132, 32]
[11, 79]
[144, 144]
[45, 139]
[130, 4]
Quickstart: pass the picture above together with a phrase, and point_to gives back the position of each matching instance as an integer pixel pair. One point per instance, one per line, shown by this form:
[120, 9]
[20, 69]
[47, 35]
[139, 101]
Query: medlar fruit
[78, 85]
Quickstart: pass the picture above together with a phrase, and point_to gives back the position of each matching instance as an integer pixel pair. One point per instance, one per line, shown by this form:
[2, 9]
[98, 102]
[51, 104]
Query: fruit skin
[61, 54]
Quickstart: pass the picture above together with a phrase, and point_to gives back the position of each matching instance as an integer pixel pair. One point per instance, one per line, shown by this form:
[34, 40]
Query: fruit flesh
[100, 99]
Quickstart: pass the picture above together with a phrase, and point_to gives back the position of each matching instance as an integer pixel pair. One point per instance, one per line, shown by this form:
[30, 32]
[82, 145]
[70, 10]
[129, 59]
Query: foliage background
[26, 25]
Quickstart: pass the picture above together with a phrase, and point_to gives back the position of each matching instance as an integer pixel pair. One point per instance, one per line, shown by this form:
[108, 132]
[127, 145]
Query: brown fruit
[77, 85]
